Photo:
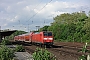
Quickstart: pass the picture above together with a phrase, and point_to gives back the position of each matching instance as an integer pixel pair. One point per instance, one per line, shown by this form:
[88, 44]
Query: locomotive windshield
[47, 34]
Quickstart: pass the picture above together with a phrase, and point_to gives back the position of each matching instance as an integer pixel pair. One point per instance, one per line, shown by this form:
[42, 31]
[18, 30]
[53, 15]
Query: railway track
[58, 52]
[29, 50]
[62, 52]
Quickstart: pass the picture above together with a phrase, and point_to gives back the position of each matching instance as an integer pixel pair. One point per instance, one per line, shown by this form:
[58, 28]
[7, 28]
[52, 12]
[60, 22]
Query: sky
[27, 14]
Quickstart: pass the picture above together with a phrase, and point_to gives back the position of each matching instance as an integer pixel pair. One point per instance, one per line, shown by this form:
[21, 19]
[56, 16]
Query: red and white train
[44, 37]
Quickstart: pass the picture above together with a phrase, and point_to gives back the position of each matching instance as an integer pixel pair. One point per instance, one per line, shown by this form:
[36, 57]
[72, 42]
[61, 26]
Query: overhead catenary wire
[39, 11]
[35, 8]
[27, 16]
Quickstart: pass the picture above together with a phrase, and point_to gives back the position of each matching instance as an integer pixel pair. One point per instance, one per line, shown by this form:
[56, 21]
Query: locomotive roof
[36, 32]
[42, 31]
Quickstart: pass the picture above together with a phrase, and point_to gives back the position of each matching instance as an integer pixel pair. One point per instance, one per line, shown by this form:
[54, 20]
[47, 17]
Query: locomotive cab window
[47, 34]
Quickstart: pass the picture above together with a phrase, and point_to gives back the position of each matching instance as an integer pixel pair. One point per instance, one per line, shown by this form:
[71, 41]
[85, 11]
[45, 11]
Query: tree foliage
[15, 34]
[68, 27]
[71, 27]
[44, 28]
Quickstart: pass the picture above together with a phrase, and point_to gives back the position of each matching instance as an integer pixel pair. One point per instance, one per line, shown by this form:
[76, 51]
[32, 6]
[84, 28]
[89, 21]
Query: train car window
[47, 34]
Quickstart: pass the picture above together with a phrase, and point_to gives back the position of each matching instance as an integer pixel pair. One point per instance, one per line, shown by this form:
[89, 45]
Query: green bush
[83, 57]
[84, 50]
[43, 54]
[5, 42]
[6, 53]
[19, 48]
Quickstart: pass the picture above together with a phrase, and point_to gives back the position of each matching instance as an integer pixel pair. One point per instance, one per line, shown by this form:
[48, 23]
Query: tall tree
[71, 27]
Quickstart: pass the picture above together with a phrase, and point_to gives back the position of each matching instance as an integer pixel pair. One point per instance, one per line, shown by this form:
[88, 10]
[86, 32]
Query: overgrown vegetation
[43, 54]
[5, 42]
[84, 50]
[74, 27]
[19, 48]
[15, 34]
[6, 53]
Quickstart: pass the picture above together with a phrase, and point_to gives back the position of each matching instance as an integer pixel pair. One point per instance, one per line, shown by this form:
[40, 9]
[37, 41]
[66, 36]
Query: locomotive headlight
[45, 38]
[48, 38]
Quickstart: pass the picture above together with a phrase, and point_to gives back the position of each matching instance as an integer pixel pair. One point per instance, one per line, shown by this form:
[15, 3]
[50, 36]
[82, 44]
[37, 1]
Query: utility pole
[0, 33]
[37, 28]
[44, 23]
[28, 28]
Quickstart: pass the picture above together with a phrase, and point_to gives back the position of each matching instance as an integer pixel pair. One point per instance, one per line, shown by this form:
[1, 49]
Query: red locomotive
[45, 38]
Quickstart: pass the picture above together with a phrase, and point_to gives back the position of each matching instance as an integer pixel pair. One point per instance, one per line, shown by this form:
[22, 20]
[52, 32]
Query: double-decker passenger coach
[43, 38]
